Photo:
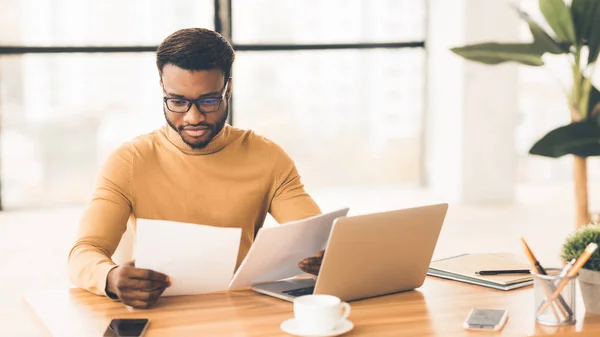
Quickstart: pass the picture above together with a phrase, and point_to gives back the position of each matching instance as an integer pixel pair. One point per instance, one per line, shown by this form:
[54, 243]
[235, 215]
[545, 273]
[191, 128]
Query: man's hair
[196, 49]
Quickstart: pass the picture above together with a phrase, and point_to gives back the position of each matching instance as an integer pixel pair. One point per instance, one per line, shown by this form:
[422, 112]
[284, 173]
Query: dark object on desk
[502, 272]
[126, 327]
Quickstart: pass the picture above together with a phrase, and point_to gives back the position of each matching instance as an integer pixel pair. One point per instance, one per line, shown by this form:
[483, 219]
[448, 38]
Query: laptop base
[287, 290]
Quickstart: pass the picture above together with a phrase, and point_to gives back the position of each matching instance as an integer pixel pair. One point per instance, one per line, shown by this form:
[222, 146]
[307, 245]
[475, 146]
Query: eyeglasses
[204, 104]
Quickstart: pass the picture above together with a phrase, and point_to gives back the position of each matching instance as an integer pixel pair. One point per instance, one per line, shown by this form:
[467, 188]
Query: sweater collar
[215, 145]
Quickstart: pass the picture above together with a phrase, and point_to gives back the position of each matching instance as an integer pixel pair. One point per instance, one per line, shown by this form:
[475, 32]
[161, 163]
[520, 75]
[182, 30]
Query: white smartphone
[486, 319]
[126, 327]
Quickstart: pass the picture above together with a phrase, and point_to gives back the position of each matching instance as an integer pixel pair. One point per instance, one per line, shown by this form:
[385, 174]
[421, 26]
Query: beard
[213, 130]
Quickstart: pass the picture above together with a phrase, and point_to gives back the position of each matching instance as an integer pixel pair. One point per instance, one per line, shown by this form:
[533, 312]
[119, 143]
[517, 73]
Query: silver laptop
[371, 255]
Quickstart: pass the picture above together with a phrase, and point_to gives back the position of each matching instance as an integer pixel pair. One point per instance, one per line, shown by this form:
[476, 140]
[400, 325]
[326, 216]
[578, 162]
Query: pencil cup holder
[554, 298]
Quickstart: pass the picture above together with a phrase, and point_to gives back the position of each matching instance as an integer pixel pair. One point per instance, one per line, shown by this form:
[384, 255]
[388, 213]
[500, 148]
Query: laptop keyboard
[300, 291]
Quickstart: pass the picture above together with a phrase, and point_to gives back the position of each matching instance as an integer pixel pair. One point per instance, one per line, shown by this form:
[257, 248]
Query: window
[104, 23]
[331, 21]
[61, 116]
[340, 80]
[347, 117]
[63, 113]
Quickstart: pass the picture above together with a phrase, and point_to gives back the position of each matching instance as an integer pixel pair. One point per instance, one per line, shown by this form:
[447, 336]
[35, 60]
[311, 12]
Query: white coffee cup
[319, 313]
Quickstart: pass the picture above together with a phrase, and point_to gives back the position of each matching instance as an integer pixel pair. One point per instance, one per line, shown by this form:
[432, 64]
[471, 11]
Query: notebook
[463, 267]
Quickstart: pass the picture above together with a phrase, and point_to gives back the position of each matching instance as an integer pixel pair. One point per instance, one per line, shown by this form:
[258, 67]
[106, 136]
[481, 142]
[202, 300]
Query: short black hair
[196, 49]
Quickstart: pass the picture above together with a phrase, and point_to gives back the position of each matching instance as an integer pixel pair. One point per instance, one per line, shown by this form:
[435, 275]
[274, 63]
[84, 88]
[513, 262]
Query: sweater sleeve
[290, 201]
[103, 223]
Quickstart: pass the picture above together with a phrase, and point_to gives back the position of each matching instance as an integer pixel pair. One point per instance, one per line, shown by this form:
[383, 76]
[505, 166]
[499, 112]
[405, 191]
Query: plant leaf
[577, 242]
[579, 138]
[559, 18]
[582, 12]
[495, 53]
[594, 34]
[542, 39]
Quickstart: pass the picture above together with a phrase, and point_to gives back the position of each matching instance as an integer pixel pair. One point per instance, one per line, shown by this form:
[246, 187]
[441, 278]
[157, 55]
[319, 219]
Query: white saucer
[290, 326]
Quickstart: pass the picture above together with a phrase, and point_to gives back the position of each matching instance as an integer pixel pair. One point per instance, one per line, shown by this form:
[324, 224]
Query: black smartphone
[126, 327]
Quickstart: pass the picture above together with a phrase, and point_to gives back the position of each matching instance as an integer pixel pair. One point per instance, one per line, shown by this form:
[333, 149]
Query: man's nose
[194, 116]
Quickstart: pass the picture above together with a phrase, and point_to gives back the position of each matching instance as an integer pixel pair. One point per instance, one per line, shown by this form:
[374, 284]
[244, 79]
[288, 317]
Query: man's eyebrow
[170, 94]
[210, 94]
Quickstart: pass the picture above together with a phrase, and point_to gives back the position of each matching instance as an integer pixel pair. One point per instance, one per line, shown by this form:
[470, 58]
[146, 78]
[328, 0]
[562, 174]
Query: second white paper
[197, 258]
[276, 251]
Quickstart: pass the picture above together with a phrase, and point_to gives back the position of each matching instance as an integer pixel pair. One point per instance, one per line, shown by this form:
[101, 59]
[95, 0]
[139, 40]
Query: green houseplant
[589, 275]
[575, 34]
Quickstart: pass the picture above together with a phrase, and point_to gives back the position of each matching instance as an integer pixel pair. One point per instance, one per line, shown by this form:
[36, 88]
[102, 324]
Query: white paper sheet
[197, 258]
[276, 251]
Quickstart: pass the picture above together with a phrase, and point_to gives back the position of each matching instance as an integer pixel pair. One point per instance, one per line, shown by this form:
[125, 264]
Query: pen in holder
[549, 310]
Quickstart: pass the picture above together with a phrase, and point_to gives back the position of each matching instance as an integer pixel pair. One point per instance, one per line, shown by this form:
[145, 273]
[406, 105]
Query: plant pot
[589, 282]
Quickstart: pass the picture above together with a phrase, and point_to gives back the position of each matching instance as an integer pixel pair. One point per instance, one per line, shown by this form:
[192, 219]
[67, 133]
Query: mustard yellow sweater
[233, 182]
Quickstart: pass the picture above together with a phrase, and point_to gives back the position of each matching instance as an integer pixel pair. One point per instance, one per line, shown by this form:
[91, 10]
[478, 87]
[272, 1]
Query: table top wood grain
[438, 308]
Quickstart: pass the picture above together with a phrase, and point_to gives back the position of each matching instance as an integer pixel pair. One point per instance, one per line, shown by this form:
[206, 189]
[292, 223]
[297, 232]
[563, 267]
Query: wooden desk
[438, 308]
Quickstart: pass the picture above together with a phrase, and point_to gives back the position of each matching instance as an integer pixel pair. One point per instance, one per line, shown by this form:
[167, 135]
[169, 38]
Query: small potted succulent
[589, 275]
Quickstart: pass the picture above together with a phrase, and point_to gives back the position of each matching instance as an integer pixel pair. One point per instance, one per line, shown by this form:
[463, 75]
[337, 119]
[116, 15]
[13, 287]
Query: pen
[562, 306]
[501, 272]
[581, 260]
[532, 259]
[565, 270]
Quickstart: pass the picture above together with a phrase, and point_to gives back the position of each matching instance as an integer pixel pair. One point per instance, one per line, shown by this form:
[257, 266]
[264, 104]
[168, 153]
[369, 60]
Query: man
[195, 169]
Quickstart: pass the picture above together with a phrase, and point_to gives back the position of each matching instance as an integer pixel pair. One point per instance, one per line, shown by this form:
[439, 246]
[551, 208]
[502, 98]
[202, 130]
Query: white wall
[471, 109]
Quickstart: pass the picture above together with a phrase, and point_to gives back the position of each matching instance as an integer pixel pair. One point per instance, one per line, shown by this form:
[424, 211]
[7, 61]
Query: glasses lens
[178, 105]
[209, 104]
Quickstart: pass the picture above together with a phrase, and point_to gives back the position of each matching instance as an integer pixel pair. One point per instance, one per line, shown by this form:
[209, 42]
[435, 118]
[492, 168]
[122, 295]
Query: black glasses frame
[196, 102]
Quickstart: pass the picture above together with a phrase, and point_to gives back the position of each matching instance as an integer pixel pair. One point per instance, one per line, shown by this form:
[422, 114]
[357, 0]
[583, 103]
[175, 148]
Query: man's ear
[229, 89]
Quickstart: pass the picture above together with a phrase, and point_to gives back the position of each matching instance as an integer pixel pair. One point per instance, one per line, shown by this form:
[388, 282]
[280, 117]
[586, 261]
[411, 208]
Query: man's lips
[196, 132]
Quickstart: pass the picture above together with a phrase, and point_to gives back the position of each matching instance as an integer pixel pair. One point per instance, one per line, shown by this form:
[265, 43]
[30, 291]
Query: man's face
[196, 128]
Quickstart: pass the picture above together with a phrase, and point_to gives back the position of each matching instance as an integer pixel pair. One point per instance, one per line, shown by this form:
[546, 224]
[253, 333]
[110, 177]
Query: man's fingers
[159, 292]
[311, 261]
[144, 296]
[135, 295]
[144, 285]
[147, 274]
[310, 269]
[311, 265]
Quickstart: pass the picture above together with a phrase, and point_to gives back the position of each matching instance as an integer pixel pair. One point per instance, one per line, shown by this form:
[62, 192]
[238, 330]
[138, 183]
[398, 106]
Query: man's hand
[135, 287]
[312, 265]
